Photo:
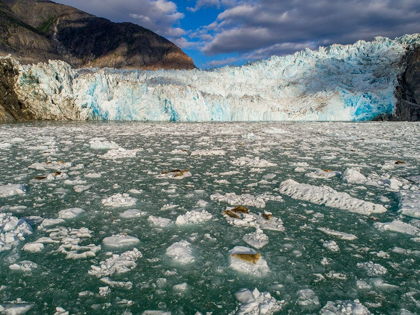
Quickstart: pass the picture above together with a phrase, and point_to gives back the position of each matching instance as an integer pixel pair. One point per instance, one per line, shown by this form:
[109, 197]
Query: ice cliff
[341, 82]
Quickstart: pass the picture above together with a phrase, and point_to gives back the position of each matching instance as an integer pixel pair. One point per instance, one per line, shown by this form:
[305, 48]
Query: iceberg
[337, 83]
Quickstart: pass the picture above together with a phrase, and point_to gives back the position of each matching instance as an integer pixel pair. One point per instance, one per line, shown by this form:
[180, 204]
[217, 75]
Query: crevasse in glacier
[340, 82]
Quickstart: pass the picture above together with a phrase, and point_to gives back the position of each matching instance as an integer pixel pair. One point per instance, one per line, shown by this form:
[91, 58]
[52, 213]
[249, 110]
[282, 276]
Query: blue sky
[219, 32]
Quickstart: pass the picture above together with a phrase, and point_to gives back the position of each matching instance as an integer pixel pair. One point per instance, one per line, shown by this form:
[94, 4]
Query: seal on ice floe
[251, 258]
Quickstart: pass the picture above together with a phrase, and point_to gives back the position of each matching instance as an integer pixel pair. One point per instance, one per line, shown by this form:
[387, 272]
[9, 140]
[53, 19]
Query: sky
[216, 33]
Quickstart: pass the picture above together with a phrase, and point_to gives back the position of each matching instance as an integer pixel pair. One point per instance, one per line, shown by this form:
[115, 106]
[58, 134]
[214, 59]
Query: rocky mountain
[38, 30]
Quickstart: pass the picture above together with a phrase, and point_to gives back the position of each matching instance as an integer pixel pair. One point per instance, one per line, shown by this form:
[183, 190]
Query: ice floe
[372, 269]
[17, 307]
[246, 260]
[71, 213]
[128, 285]
[193, 217]
[255, 162]
[257, 303]
[246, 199]
[207, 152]
[132, 213]
[120, 241]
[12, 190]
[353, 176]
[344, 308]
[398, 226]
[120, 153]
[159, 222]
[24, 265]
[339, 235]
[307, 299]
[12, 231]
[116, 264]
[33, 247]
[181, 252]
[325, 195]
[410, 203]
[102, 144]
[119, 200]
[323, 174]
[256, 239]
[247, 218]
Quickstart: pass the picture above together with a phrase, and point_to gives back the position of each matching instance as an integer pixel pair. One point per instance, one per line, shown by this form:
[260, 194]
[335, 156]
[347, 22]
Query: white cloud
[259, 27]
[160, 16]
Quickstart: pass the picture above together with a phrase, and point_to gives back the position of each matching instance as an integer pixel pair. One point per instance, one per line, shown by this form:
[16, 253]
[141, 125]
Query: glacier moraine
[144, 218]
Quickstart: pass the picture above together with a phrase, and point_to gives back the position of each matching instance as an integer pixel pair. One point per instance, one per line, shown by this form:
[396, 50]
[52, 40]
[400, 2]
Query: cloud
[258, 28]
[160, 16]
[211, 3]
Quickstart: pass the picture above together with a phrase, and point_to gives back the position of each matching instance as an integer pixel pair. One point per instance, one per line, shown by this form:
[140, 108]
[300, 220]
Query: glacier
[336, 83]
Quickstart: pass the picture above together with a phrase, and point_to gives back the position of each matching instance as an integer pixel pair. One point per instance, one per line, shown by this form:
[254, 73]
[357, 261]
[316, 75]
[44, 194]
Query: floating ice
[253, 220]
[159, 222]
[156, 313]
[120, 153]
[353, 176]
[12, 231]
[256, 303]
[33, 247]
[93, 175]
[193, 217]
[410, 203]
[54, 165]
[132, 213]
[323, 174]
[75, 251]
[17, 307]
[256, 239]
[340, 235]
[117, 264]
[128, 285]
[24, 265]
[181, 252]
[12, 190]
[47, 223]
[208, 152]
[256, 162]
[372, 269]
[245, 199]
[344, 308]
[102, 144]
[120, 241]
[119, 200]
[398, 226]
[307, 299]
[257, 268]
[331, 245]
[70, 213]
[182, 287]
[324, 195]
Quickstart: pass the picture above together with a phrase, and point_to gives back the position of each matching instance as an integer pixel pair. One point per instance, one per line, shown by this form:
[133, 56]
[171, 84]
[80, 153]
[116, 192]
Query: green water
[293, 256]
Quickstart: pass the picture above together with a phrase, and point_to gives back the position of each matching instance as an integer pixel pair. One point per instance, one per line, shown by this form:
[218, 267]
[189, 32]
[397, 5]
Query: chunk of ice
[181, 252]
[324, 195]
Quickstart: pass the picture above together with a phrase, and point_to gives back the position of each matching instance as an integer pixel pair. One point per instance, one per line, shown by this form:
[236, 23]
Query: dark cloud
[263, 27]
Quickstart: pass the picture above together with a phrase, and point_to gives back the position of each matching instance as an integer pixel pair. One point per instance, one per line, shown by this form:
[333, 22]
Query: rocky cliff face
[408, 91]
[38, 30]
[11, 108]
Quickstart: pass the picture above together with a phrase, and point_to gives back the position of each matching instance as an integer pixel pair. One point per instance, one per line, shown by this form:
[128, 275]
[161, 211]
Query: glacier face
[338, 83]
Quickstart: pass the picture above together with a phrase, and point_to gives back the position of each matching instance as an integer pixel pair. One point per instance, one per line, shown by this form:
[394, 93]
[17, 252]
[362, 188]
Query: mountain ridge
[40, 30]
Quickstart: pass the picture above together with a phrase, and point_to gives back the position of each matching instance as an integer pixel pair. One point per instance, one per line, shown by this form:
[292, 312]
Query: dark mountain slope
[84, 40]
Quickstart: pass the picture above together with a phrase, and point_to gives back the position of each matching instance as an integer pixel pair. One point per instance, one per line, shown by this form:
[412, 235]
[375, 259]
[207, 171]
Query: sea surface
[123, 218]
